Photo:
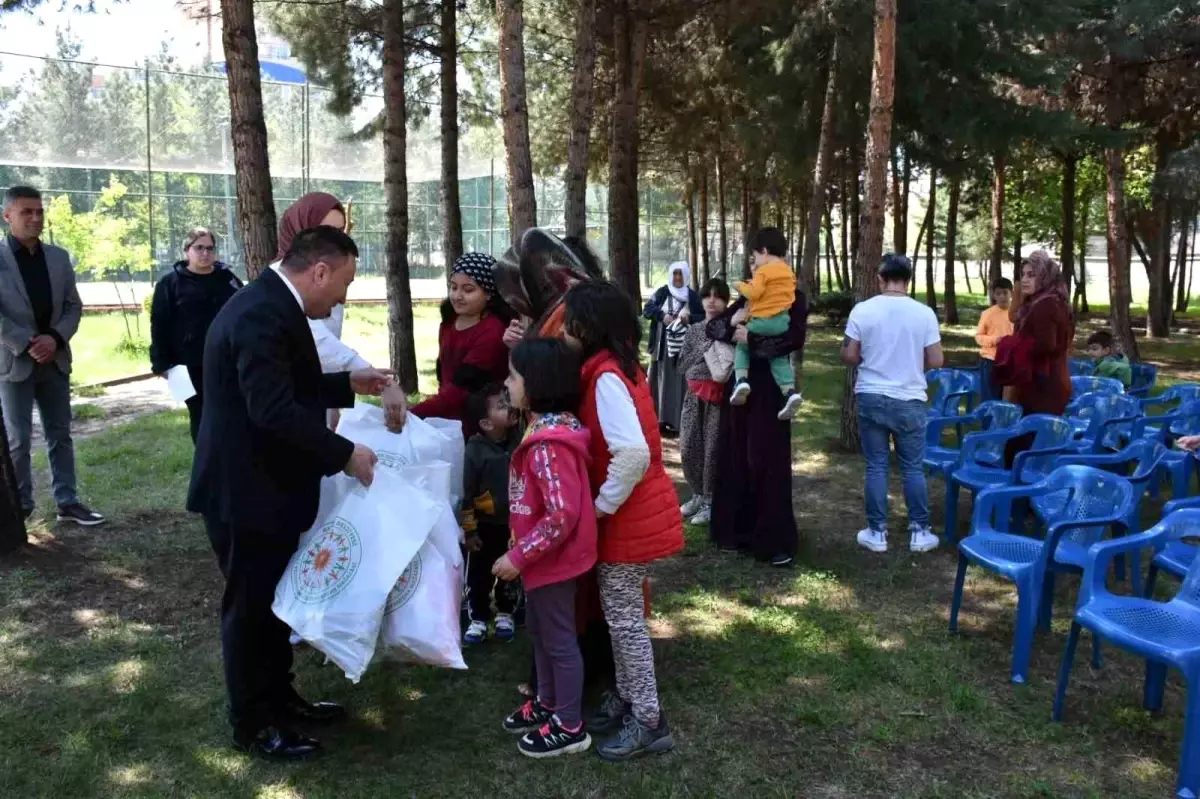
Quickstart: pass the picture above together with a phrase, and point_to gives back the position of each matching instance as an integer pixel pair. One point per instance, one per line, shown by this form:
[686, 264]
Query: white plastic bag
[421, 621]
[422, 441]
[337, 584]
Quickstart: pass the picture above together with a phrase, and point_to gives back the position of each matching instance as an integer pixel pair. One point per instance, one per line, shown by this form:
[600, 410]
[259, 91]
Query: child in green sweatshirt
[1109, 363]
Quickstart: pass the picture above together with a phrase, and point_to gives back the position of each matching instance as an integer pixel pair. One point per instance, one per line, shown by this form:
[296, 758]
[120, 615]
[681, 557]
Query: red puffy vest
[648, 525]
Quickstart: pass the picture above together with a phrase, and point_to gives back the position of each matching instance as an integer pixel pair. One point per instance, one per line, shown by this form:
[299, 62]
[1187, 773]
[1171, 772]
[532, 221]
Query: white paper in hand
[179, 383]
[337, 584]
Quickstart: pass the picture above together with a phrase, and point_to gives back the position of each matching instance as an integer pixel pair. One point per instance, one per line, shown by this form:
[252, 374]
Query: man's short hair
[770, 239]
[1002, 284]
[323, 243]
[14, 193]
[895, 268]
[1101, 337]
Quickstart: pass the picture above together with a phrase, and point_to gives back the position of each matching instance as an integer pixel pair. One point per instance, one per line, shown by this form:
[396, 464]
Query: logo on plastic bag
[405, 587]
[391, 459]
[328, 563]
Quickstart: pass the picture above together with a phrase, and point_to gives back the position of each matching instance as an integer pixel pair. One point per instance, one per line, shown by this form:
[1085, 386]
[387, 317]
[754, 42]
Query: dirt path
[118, 405]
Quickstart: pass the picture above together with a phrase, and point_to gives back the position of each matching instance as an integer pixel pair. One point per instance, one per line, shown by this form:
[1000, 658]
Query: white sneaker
[506, 629]
[477, 633]
[874, 540]
[692, 506]
[704, 516]
[741, 392]
[922, 539]
[790, 405]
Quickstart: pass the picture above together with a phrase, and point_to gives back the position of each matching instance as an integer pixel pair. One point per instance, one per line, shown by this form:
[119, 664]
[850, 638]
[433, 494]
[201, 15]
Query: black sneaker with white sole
[528, 717]
[551, 740]
[80, 514]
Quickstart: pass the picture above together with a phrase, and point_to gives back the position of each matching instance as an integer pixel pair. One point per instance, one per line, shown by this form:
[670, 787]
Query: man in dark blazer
[262, 450]
[39, 315]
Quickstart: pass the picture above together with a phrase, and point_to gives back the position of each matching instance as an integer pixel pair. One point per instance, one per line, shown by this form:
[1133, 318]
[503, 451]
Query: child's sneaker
[741, 392]
[874, 540]
[791, 404]
[552, 740]
[477, 632]
[637, 739]
[608, 717]
[692, 506]
[921, 539]
[506, 629]
[529, 716]
[704, 516]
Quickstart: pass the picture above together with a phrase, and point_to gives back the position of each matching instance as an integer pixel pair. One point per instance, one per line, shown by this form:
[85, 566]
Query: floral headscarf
[1048, 283]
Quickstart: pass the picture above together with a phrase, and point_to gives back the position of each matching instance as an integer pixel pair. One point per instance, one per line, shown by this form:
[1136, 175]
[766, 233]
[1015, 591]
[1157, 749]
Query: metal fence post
[149, 178]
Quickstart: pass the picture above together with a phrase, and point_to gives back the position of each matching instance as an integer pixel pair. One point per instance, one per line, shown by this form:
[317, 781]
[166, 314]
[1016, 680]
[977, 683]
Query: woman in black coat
[670, 311]
[185, 303]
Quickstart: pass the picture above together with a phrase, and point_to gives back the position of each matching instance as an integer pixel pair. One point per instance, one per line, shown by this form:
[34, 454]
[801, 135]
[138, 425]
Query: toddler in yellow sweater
[769, 295]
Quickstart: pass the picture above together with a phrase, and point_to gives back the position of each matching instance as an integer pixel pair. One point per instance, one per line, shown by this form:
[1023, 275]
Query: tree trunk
[844, 231]
[1158, 241]
[1081, 305]
[753, 219]
[996, 271]
[582, 104]
[856, 202]
[1192, 271]
[705, 266]
[879, 136]
[949, 298]
[248, 128]
[916, 256]
[629, 51]
[1070, 168]
[1118, 254]
[395, 186]
[931, 224]
[522, 202]
[831, 250]
[689, 204]
[1181, 297]
[452, 235]
[812, 238]
[900, 236]
[722, 219]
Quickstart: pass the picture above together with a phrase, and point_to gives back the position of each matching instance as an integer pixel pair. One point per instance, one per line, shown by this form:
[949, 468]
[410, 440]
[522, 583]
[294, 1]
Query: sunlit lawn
[837, 679]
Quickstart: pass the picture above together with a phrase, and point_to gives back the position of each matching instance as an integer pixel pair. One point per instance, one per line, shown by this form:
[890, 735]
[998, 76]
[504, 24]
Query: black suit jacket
[264, 444]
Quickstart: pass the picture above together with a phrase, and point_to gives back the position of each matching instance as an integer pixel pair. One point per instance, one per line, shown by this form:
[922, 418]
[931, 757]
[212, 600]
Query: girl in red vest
[636, 506]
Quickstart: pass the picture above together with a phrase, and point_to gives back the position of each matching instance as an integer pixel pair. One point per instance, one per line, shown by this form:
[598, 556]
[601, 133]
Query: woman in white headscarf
[670, 310]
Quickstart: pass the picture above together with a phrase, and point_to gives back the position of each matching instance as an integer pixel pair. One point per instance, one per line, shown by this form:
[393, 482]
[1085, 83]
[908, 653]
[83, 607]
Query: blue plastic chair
[1145, 375]
[1166, 634]
[1139, 463]
[950, 390]
[1176, 395]
[1092, 385]
[1095, 502]
[1099, 419]
[991, 415]
[1051, 436]
[1177, 556]
[1081, 367]
[1183, 420]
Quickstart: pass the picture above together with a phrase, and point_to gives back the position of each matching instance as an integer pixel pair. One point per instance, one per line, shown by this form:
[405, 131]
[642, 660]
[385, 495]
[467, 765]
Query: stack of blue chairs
[1099, 419]
[951, 390]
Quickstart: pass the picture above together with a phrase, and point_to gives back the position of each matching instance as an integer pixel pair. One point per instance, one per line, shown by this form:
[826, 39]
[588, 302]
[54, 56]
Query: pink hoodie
[550, 505]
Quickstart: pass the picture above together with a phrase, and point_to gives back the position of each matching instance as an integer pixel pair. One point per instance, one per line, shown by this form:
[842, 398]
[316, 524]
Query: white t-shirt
[894, 332]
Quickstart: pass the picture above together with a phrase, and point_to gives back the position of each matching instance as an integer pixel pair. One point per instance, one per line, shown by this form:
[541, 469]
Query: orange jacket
[771, 291]
[994, 324]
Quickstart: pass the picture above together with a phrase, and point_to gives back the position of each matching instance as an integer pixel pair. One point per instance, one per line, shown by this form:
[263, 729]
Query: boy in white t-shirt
[893, 339]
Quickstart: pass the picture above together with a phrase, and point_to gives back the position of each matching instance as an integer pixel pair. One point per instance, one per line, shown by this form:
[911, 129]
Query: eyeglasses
[203, 248]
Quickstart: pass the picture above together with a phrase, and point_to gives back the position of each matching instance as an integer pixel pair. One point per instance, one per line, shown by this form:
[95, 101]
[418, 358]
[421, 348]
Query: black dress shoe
[298, 711]
[276, 743]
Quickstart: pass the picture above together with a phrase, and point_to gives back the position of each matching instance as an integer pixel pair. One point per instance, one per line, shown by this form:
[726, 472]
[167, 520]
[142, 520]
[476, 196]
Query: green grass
[836, 679]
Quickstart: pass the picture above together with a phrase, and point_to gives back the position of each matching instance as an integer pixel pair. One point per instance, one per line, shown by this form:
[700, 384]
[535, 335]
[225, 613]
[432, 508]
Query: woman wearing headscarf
[1032, 362]
[670, 311]
[314, 210]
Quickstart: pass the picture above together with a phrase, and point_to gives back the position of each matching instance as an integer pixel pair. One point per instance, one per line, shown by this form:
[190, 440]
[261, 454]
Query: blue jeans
[51, 390]
[988, 390]
[881, 418]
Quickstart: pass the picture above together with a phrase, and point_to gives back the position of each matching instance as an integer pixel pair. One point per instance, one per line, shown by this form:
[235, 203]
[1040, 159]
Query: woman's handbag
[719, 360]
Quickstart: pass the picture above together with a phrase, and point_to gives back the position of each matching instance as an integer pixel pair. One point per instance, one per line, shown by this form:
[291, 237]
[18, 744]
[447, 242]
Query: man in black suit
[262, 450]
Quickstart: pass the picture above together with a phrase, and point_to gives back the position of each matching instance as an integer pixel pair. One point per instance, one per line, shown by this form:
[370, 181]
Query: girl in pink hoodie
[553, 525]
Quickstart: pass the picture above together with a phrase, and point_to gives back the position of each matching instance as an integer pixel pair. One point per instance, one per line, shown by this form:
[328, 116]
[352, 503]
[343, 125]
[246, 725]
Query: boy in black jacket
[485, 513]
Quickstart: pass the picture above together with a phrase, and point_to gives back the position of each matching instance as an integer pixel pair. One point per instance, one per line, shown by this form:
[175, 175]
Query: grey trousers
[51, 390]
